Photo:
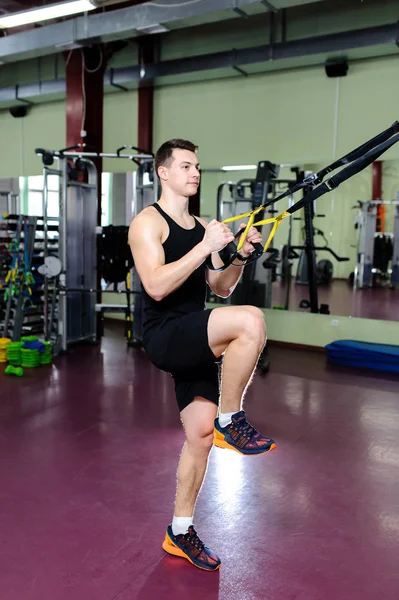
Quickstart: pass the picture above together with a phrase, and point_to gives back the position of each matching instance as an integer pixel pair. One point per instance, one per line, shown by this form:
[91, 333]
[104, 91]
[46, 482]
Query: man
[183, 338]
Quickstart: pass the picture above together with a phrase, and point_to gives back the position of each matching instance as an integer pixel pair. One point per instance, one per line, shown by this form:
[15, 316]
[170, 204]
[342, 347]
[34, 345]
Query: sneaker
[189, 546]
[240, 436]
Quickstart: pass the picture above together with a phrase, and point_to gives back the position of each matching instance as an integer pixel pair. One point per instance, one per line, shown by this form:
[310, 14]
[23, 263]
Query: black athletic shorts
[180, 347]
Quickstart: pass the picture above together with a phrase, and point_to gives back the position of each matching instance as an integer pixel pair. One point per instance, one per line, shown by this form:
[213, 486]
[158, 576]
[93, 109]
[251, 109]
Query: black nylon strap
[349, 171]
[361, 150]
[355, 154]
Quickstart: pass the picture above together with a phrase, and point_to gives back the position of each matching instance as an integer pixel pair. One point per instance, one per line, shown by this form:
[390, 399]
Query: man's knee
[235, 322]
[201, 443]
[198, 421]
[254, 323]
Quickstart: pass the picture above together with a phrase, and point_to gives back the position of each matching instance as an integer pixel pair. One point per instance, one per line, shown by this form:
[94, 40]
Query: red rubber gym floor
[88, 454]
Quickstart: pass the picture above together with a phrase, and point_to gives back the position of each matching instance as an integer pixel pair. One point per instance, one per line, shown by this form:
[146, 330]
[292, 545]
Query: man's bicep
[146, 247]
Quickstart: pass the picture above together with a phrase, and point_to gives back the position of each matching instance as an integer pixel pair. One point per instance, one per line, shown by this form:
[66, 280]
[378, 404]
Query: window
[33, 195]
[31, 189]
[35, 203]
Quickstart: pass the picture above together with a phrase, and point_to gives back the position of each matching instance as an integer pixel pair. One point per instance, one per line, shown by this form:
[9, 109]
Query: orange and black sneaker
[240, 436]
[189, 546]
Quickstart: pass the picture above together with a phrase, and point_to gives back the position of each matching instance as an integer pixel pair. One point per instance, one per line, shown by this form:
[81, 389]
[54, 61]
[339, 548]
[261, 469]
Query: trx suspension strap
[356, 161]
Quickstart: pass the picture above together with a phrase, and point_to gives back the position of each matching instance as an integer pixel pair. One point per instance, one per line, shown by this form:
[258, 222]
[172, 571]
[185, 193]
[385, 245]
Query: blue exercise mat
[380, 357]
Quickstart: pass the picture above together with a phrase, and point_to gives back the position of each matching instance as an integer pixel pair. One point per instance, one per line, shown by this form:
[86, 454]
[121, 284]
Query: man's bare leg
[239, 332]
[198, 419]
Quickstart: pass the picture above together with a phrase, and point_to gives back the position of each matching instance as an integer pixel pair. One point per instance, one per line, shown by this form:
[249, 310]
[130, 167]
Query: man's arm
[158, 279]
[224, 283]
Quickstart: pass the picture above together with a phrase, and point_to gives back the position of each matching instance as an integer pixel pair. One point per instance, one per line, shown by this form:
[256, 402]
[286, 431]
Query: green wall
[237, 120]
[45, 127]
[319, 330]
[289, 115]
[120, 128]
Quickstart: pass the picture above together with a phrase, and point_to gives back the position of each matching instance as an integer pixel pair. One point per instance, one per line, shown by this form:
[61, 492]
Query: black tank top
[191, 295]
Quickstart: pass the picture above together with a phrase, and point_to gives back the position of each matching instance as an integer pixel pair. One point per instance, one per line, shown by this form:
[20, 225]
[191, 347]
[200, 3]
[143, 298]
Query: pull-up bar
[83, 151]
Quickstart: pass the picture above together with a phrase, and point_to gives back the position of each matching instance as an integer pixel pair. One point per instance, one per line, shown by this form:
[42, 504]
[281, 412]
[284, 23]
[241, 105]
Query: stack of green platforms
[30, 358]
[14, 353]
[46, 356]
[35, 353]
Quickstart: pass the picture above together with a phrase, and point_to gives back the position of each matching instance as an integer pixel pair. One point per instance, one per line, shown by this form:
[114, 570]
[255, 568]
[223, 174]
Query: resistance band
[357, 160]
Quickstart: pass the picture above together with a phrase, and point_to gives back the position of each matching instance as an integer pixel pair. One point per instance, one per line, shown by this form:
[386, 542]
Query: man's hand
[217, 236]
[253, 236]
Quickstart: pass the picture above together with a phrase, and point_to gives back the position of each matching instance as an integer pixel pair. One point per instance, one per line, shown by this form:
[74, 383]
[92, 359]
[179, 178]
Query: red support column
[377, 195]
[146, 118]
[146, 96]
[146, 109]
[84, 103]
[84, 114]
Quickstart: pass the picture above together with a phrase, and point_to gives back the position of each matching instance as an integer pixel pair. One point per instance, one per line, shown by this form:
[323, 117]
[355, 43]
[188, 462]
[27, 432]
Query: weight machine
[376, 250]
[70, 282]
[313, 187]
[247, 195]
[308, 270]
[18, 286]
[256, 286]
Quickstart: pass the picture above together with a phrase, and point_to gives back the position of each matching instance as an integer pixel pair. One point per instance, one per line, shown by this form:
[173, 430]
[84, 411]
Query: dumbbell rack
[31, 238]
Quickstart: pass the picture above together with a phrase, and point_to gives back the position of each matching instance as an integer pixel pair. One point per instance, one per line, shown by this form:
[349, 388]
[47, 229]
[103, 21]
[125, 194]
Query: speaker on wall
[336, 67]
[18, 111]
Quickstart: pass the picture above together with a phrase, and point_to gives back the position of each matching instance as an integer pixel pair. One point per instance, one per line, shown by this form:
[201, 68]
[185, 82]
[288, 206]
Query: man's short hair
[164, 153]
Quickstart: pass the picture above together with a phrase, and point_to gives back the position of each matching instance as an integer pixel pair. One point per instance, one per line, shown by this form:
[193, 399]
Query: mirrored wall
[339, 256]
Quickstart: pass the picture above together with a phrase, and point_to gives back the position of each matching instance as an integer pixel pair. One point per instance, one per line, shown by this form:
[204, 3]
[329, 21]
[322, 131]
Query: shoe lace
[244, 428]
[193, 538]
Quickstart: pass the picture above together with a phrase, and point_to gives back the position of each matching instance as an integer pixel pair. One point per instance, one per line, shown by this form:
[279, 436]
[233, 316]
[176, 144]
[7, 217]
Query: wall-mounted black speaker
[18, 111]
[336, 67]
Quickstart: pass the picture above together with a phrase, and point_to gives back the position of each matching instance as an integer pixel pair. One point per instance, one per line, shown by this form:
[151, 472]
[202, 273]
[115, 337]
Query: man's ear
[163, 173]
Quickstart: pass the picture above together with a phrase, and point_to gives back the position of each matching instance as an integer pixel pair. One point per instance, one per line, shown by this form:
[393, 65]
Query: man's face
[182, 174]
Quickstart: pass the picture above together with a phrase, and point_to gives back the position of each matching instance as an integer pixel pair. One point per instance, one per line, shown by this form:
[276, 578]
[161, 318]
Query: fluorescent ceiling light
[240, 168]
[69, 45]
[150, 29]
[52, 11]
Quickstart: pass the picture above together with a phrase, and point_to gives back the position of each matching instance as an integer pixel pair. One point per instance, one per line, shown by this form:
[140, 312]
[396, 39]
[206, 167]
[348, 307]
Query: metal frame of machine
[71, 294]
